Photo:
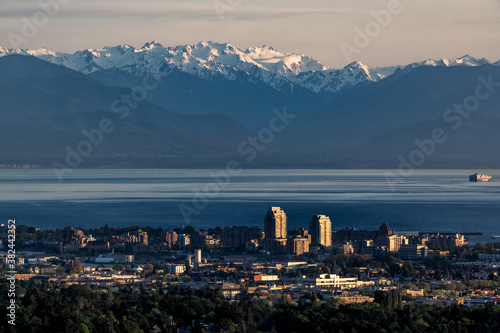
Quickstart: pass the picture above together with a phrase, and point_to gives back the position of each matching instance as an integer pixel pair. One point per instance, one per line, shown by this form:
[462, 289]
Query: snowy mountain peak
[357, 68]
[357, 65]
[270, 48]
[43, 51]
[151, 45]
[37, 53]
[466, 60]
[212, 60]
[122, 49]
[216, 48]
[287, 64]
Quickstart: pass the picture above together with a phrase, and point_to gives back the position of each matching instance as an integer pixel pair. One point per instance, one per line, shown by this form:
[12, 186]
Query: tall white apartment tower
[320, 229]
[275, 223]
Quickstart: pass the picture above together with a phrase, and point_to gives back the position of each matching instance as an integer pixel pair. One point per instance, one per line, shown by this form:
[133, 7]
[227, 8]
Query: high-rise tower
[275, 223]
[275, 230]
[320, 229]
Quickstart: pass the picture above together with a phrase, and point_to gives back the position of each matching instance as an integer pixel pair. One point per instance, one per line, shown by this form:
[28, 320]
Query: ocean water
[428, 200]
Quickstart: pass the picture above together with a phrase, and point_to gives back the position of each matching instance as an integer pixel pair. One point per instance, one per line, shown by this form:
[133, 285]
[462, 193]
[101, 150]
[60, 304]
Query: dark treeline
[79, 308]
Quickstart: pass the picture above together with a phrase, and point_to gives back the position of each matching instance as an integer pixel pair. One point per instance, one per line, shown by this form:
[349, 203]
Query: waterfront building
[275, 223]
[275, 231]
[170, 237]
[298, 245]
[320, 229]
[276, 246]
[394, 242]
[239, 236]
[68, 234]
[299, 241]
[412, 251]
[132, 237]
[184, 240]
[347, 248]
[142, 236]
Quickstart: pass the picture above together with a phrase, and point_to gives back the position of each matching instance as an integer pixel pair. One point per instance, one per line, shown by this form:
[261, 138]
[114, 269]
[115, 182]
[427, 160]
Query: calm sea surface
[429, 200]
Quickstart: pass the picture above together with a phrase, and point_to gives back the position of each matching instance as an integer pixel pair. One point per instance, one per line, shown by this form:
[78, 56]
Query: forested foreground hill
[78, 308]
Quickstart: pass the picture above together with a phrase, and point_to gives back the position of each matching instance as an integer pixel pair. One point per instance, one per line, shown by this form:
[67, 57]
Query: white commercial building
[330, 281]
[176, 269]
[197, 256]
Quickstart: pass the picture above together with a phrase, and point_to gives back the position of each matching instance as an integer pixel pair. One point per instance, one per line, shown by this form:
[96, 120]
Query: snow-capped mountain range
[207, 60]
[466, 61]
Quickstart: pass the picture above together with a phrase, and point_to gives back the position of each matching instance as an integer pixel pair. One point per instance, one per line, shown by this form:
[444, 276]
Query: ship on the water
[479, 178]
[461, 240]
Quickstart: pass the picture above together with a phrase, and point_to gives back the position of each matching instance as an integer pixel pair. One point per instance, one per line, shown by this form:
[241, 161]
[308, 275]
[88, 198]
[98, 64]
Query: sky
[332, 31]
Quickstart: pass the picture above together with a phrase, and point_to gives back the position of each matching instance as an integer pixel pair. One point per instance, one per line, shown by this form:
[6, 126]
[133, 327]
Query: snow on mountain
[466, 60]
[3, 51]
[357, 70]
[333, 80]
[209, 60]
[287, 64]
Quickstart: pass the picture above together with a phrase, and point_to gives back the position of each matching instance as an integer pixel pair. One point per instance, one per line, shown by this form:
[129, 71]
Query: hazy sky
[422, 29]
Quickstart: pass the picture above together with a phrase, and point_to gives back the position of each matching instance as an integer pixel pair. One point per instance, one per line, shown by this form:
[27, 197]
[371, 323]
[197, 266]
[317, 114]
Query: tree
[408, 269]
[108, 232]
[128, 248]
[188, 270]
[77, 267]
[390, 300]
[189, 230]
[438, 275]
[394, 269]
[225, 325]
[148, 269]
[334, 266]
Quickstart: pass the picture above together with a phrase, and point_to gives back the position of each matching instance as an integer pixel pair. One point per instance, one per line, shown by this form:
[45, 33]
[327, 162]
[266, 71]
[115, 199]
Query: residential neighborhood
[348, 265]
